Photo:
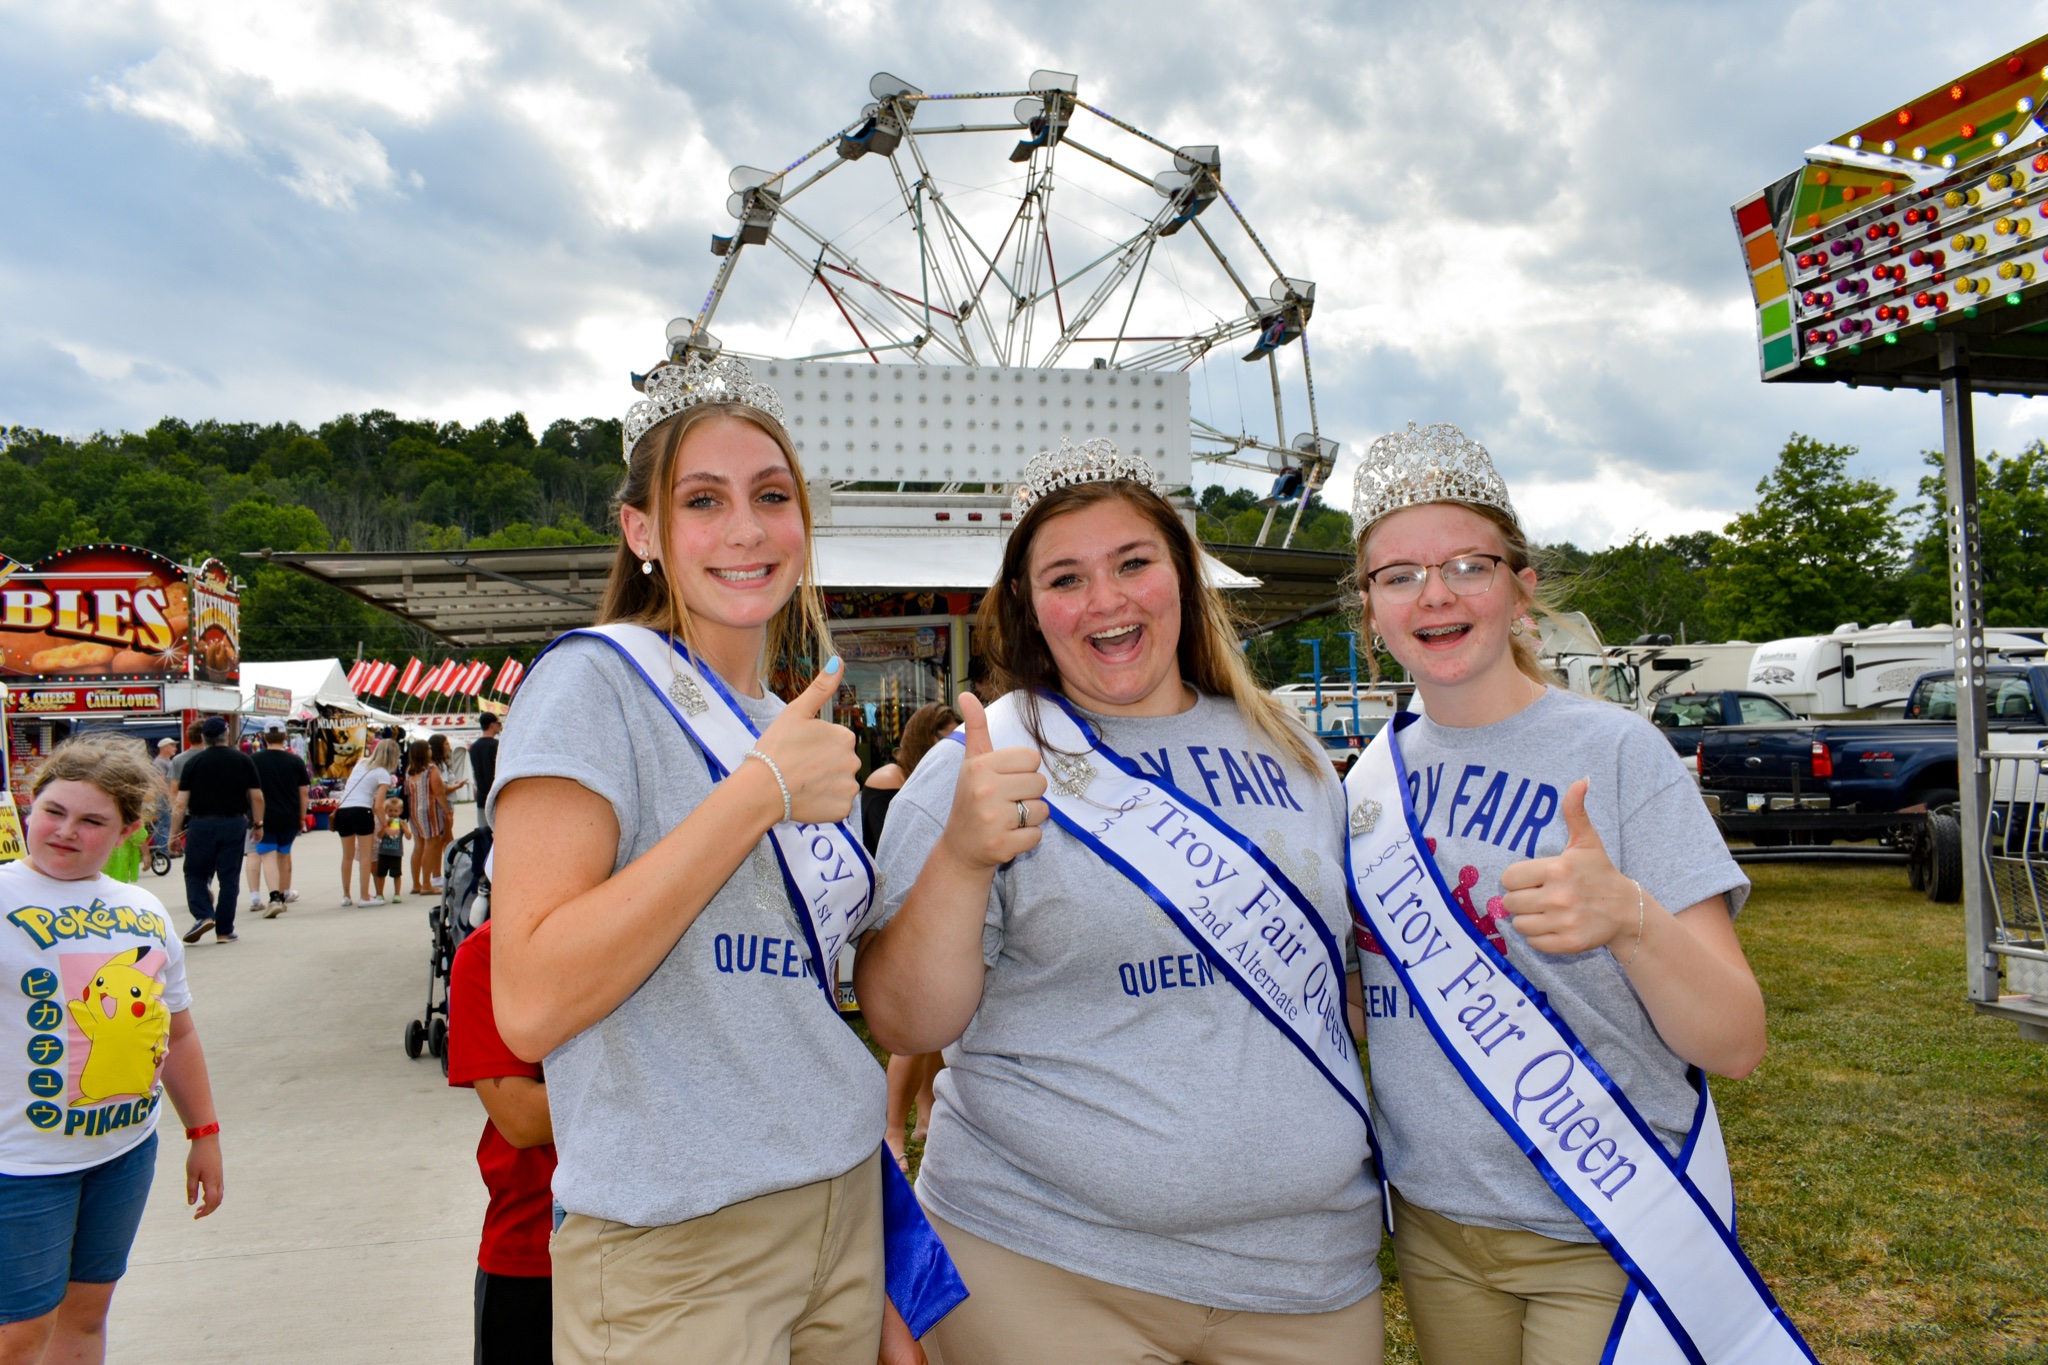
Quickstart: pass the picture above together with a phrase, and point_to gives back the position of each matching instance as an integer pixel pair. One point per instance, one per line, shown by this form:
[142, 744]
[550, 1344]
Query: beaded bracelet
[787, 814]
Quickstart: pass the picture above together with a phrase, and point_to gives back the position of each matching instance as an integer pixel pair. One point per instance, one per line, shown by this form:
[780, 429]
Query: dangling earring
[1379, 646]
[647, 566]
[1515, 627]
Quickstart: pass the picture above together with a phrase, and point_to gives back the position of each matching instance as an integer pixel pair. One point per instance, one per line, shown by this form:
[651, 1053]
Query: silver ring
[1023, 815]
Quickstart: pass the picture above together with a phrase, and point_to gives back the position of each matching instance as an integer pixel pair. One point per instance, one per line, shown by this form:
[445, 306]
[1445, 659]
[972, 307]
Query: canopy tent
[312, 683]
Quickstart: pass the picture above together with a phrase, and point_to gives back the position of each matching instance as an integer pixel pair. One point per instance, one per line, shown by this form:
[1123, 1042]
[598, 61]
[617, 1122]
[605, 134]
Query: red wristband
[194, 1134]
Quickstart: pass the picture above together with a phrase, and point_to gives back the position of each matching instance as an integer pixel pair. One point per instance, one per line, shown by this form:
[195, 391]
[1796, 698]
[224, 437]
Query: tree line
[1821, 546]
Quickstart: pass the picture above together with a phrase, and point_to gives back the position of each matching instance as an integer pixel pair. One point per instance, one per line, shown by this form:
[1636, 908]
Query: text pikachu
[124, 1020]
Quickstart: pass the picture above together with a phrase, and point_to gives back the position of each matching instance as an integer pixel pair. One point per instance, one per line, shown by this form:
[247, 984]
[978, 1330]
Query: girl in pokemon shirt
[100, 1030]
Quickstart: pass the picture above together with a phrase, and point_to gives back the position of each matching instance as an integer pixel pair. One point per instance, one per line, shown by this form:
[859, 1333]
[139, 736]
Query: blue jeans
[57, 1229]
[213, 844]
[160, 825]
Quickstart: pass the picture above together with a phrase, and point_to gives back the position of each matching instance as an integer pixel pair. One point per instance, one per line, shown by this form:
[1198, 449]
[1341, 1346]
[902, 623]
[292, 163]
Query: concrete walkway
[353, 1203]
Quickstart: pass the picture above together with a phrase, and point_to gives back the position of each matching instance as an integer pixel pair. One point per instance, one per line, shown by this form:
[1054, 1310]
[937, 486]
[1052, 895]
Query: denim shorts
[58, 1228]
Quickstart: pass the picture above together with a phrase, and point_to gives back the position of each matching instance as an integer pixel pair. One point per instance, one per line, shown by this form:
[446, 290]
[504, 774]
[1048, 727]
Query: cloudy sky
[1516, 215]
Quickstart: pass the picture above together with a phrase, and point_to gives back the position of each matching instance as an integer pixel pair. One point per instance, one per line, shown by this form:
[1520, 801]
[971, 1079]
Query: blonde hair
[117, 765]
[1208, 653]
[796, 631]
[1527, 646]
[385, 755]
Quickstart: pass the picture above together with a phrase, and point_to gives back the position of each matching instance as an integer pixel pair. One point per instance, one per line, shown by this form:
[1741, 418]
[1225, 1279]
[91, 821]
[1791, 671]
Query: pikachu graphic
[126, 1026]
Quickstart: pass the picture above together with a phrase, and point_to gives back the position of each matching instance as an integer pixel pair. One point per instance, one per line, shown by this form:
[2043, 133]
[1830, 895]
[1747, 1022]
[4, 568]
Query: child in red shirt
[514, 1317]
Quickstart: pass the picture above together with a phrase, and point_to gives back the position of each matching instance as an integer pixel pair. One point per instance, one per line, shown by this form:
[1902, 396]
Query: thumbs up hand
[1578, 900]
[997, 805]
[816, 757]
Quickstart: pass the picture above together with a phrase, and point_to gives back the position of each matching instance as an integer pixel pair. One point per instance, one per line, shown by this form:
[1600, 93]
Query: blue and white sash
[1213, 882]
[831, 886]
[1668, 1221]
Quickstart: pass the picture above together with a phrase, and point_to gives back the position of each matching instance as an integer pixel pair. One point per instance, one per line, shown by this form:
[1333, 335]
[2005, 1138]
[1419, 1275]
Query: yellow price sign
[12, 845]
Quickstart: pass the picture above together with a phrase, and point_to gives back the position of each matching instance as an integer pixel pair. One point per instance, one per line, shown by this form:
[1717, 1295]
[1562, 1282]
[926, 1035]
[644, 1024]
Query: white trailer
[1669, 670]
[1853, 672]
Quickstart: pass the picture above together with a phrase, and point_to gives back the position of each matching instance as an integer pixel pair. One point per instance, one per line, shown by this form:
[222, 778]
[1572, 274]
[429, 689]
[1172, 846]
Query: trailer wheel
[1944, 880]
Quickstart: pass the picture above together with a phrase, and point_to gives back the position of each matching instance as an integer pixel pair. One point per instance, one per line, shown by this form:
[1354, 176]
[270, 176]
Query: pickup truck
[1813, 782]
[1685, 716]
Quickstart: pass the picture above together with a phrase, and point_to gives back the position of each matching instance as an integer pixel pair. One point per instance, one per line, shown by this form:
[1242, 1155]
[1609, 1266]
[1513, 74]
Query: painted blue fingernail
[832, 664]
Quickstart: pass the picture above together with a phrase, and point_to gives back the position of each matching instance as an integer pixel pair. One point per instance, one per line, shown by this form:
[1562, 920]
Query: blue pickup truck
[1685, 716]
[1809, 783]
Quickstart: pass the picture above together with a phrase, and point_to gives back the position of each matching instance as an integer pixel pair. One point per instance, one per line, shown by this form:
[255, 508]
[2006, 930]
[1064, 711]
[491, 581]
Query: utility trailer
[1901, 255]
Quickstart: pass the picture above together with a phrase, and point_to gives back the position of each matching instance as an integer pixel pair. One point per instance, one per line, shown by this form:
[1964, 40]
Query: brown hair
[926, 726]
[1519, 554]
[114, 763]
[416, 758]
[1210, 660]
[649, 599]
[437, 748]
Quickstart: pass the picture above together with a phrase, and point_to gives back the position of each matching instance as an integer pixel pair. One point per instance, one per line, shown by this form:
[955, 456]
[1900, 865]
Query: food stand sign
[119, 699]
[272, 701]
[112, 611]
[11, 846]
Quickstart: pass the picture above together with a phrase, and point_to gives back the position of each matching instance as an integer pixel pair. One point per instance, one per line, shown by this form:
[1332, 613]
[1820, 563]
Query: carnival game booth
[101, 636]
[1903, 254]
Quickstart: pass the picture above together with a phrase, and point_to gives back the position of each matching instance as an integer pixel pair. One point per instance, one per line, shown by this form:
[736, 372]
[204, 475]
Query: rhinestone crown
[673, 386]
[1095, 461]
[1436, 463]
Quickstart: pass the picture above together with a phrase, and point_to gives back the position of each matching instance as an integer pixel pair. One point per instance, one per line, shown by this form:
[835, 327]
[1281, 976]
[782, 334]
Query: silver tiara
[1436, 463]
[673, 386]
[1095, 461]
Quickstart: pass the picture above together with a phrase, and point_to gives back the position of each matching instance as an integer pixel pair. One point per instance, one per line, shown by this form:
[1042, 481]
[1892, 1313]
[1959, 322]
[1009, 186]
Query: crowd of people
[1126, 935]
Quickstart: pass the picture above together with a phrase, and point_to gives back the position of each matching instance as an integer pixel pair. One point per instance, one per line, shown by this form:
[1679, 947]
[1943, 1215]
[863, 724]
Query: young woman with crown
[1547, 912]
[673, 884]
[1115, 897]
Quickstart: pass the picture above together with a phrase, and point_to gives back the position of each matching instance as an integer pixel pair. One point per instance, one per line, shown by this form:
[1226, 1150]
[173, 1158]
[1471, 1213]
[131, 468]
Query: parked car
[1813, 782]
[1683, 718]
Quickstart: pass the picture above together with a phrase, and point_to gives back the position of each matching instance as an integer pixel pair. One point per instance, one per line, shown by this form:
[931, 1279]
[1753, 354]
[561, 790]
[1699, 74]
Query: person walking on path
[219, 799]
[106, 1032]
[516, 1155]
[195, 743]
[454, 771]
[160, 808]
[429, 815]
[287, 795]
[1135, 1155]
[483, 763]
[719, 1128]
[356, 816]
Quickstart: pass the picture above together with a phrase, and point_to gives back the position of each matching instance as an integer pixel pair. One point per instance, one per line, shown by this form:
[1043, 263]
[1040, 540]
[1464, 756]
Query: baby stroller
[464, 905]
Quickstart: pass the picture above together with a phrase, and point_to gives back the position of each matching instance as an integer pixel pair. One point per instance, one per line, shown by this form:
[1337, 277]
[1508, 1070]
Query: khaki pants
[1494, 1296]
[1025, 1312]
[789, 1278]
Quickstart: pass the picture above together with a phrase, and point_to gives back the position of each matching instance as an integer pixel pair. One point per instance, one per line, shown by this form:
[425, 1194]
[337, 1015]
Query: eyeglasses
[1467, 576]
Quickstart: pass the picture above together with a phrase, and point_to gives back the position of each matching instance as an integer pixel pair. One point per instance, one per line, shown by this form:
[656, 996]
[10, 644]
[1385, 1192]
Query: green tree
[2012, 525]
[1643, 587]
[1818, 549]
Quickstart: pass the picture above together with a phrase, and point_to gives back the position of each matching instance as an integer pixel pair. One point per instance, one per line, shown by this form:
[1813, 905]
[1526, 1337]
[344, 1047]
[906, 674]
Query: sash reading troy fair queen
[831, 886]
[1693, 1296]
[1214, 883]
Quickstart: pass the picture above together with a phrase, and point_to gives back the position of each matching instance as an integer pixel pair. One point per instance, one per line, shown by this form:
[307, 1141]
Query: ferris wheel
[1020, 235]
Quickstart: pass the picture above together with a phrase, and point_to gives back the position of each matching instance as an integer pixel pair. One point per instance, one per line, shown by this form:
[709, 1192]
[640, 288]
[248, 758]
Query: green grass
[1891, 1153]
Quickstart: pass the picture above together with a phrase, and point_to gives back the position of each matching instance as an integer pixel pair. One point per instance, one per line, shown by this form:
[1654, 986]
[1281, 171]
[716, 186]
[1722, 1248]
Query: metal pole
[1959, 466]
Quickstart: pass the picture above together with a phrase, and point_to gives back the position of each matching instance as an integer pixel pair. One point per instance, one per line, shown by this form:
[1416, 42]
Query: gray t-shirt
[1116, 1107]
[1489, 796]
[726, 1075]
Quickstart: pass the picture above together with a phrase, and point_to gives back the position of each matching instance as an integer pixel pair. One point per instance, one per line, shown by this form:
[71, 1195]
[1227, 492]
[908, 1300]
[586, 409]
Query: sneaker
[374, 900]
[275, 908]
[291, 895]
[227, 938]
[346, 902]
[197, 931]
[255, 900]
[397, 899]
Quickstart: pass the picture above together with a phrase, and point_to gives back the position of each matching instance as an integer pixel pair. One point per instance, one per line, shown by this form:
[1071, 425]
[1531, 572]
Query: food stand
[111, 634]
